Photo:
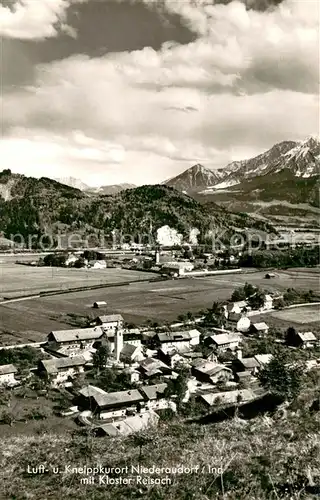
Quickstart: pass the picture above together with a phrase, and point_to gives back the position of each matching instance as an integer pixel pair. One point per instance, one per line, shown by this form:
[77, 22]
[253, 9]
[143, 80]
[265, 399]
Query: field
[32, 319]
[302, 315]
[19, 279]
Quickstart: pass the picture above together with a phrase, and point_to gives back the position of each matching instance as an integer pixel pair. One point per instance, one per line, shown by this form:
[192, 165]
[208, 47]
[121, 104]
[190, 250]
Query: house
[170, 357]
[130, 425]
[131, 354]
[211, 372]
[234, 310]
[151, 367]
[133, 374]
[72, 342]
[243, 325]
[97, 264]
[7, 373]
[223, 342]
[109, 404]
[250, 365]
[270, 275]
[228, 397]
[268, 303]
[60, 370]
[177, 269]
[99, 303]
[109, 322]
[181, 341]
[302, 339]
[155, 399]
[259, 328]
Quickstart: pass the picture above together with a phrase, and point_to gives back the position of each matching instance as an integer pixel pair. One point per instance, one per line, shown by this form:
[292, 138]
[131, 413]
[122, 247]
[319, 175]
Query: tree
[216, 315]
[256, 300]
[281, 377]
[101, 356]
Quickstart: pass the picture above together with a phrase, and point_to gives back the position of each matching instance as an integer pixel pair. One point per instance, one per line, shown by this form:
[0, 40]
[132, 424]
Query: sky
[112, 91]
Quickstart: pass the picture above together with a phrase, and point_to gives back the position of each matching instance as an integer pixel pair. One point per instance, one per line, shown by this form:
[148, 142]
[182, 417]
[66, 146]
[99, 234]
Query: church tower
[118, 343]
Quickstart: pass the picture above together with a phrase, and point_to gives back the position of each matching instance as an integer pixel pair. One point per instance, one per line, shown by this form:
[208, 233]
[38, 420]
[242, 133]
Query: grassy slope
[281, 186]
[264, 459]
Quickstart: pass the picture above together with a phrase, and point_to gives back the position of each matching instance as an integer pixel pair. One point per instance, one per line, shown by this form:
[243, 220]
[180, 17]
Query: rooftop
[6, 369]
[76, 334]
[152, 391]
[103, 398]
[225, 338]
[110, 318]
[260, 326]
[307, 336]
[53, 365]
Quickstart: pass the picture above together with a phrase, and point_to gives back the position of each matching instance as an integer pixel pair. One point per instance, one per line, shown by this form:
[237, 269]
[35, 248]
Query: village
[114, 379]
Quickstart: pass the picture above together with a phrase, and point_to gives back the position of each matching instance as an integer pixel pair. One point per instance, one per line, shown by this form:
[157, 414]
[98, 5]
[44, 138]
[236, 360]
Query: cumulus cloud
[249, 80]
[32, 20]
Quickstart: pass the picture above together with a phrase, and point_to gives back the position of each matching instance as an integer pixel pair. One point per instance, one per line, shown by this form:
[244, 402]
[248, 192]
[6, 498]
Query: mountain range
[300, 160]
[40, 207]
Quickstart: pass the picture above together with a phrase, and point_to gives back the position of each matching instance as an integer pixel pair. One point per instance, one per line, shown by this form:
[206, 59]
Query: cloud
[36, 20]
[248, 81]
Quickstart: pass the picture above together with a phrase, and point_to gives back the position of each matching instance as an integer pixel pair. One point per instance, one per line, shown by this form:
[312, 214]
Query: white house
[243, 325]
[60, 370]
[110, 322]
[7, 373]
[268, 303]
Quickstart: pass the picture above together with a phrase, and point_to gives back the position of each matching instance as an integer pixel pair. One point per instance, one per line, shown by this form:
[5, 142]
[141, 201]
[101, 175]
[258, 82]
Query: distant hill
[109, 189]
[112, 189]
[31, 206]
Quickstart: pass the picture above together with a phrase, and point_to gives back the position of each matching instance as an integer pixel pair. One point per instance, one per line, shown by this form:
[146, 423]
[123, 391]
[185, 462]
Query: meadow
[32, 319]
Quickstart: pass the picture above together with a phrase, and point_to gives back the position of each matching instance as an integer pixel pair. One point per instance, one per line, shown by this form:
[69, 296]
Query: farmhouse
[223, 342]
[155, 399]
[228, 397]
[7, 373]
[250, 365]
[129, 426]
[259, 328]
[59, 370]
[108, 404]
[72, 342]
[211, 372]
[181, 341]
[110, 322]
